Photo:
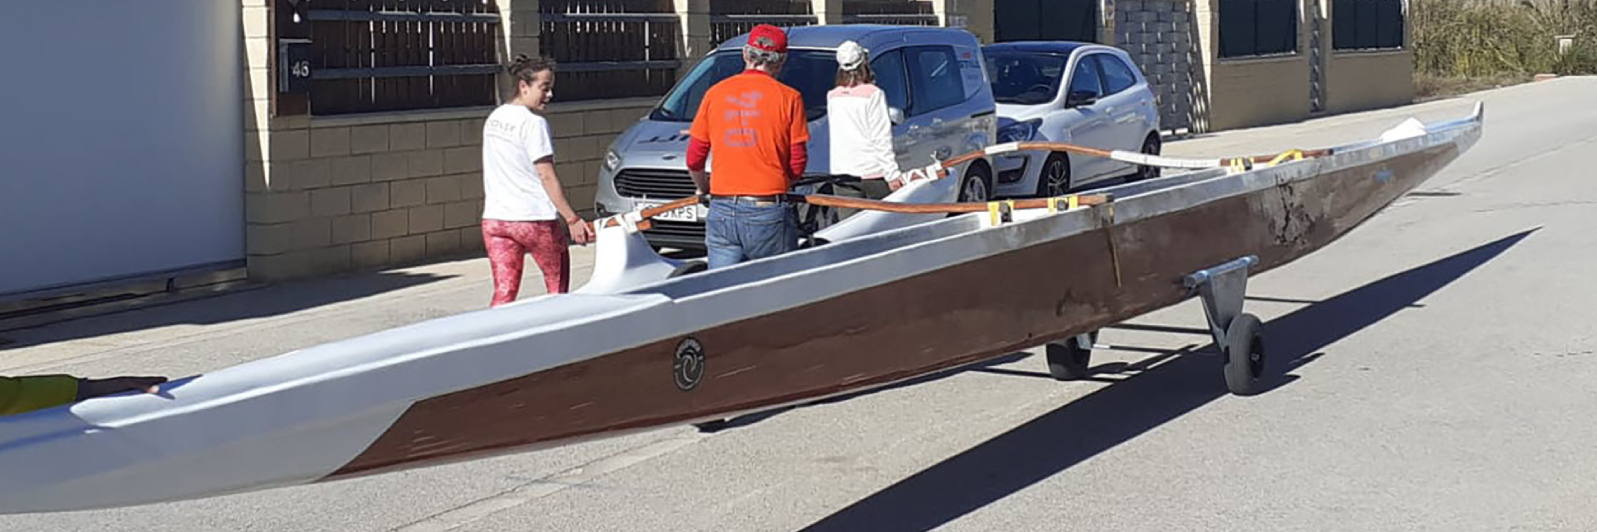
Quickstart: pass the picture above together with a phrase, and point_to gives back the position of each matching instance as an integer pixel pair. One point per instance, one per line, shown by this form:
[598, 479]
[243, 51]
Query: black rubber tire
[1068, 360]
[1244, 355]
[1042, 176]
[977, 171]
[1150, 146]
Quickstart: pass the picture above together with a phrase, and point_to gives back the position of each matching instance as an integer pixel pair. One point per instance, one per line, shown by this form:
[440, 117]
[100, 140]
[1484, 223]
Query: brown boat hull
[917, 325]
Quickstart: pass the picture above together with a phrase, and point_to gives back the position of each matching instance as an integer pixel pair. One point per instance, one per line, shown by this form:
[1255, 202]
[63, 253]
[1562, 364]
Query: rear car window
[889, 69]
[1085, 78]
[936, 78]
[1116, 75]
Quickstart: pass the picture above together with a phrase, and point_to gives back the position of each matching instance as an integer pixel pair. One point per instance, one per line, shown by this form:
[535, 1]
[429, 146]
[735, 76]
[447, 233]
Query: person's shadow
[1115, 414]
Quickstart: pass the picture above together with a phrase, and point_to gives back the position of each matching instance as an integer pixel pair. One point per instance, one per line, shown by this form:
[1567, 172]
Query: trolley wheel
[1068, 360]
[1244, 355]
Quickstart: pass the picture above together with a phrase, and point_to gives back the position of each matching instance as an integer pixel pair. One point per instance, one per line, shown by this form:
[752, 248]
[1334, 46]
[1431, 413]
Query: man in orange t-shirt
[754, 128]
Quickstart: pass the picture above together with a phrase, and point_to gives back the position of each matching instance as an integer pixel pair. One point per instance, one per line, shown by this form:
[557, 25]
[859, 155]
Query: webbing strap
[1294, 154]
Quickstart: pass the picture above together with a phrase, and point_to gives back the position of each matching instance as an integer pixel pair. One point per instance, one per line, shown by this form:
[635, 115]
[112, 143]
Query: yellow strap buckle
[1294, 154]
[1071, 202]
[1000, 211]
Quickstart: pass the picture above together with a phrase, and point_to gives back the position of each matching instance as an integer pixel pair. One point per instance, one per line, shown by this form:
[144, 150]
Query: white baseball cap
[850, 55]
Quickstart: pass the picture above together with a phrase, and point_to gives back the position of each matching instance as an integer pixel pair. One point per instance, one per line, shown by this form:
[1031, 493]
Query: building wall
[353, 193]
[1256, 92]
[1252, 91]
[975, 16]
[1357, 81]
[120, 153]
[327, 195]
[1200, 91]
[336, 194]
[1365, 79]
[361, 192]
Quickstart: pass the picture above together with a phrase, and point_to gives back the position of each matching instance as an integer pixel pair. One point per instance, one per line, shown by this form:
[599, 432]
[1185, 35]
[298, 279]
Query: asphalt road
[1440, 361]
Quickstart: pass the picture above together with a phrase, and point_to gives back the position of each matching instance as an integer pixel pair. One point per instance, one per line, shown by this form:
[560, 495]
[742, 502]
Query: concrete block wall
[1162, 38]
[366, 192]
[356, 193]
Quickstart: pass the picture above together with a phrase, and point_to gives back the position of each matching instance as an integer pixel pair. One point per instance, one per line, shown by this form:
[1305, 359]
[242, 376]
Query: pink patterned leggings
[509, 242]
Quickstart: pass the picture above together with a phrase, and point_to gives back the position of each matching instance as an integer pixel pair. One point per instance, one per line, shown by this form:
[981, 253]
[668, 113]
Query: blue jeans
[739, 230]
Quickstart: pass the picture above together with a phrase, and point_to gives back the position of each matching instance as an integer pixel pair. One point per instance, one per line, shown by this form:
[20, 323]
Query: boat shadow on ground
[1058, 440]
[756, 417]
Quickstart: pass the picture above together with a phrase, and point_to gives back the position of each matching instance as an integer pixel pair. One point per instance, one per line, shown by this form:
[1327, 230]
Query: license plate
[690, 213]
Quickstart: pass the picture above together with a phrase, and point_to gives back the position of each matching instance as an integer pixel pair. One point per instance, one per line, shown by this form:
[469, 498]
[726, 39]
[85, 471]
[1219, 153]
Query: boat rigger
[877, 309]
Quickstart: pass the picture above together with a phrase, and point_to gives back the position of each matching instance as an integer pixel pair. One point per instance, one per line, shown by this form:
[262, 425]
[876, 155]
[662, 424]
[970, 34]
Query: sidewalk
[192, 333]
[243, 317]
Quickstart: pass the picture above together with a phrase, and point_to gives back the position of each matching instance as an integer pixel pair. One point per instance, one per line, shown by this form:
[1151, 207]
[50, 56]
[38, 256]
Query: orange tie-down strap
[641, 218]
[1142, 159]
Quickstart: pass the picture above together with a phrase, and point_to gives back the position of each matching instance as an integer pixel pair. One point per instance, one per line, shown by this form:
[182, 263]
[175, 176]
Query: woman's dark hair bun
[524, 67]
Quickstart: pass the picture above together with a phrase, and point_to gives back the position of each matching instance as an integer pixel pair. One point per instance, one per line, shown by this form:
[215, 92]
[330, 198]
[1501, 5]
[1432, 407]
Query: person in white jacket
[860, 128]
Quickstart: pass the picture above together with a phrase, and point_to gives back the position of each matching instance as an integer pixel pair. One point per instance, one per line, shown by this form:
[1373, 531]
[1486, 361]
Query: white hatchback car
[1079, 93]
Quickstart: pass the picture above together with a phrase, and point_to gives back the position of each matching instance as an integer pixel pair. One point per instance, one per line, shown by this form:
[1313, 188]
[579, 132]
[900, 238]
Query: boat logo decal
[689, 365]
[1383, 176]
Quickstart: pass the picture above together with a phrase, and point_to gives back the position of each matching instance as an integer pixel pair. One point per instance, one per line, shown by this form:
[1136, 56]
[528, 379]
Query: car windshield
[811, 72]
[1025, 78]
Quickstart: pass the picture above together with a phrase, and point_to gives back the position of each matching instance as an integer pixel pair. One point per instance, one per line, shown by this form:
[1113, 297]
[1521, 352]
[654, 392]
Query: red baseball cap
[769, 38]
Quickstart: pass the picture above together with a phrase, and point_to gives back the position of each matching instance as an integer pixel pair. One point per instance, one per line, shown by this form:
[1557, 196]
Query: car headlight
[1019, 131]
[612, 160]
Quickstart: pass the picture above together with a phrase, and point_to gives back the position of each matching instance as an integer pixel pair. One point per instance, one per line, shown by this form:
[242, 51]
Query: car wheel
[1150, 146]
[977, 185]
[1054, 180]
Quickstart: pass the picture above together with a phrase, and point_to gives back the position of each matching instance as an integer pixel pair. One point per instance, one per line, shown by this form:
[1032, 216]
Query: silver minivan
[936, 85]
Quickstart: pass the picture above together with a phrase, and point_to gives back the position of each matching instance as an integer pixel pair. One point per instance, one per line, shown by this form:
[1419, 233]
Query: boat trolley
[1238, 335]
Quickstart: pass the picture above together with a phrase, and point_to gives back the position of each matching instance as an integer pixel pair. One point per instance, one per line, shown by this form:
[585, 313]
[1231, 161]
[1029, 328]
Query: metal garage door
[121, 140]
[1047, 20]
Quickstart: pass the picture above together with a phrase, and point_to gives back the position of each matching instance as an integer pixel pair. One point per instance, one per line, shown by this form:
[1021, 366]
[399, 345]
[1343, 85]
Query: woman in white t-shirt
[861, 130]
[524, 207]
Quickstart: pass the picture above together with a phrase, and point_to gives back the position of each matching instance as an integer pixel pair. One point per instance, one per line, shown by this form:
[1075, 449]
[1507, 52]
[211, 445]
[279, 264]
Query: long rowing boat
[854, 314]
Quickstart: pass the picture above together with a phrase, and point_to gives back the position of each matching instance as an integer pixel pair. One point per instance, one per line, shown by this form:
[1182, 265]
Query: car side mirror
[1080, 98]
[896, 115]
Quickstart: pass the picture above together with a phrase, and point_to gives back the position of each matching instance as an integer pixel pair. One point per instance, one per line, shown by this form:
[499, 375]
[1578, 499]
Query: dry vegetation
[1466, 45]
